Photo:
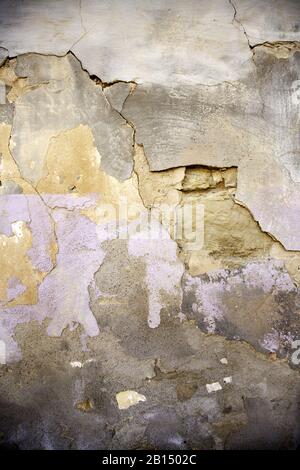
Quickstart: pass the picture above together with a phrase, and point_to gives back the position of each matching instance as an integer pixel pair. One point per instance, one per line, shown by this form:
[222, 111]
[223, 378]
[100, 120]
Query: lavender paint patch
[275, 340]
[30, 209]
[42, 230]
[164, 270]
[14, 289]
[256, 303]
[63, 295]
[13, 207]
[8, 324]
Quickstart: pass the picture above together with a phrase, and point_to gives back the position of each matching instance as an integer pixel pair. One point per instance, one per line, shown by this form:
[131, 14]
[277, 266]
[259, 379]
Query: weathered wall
[129, 335]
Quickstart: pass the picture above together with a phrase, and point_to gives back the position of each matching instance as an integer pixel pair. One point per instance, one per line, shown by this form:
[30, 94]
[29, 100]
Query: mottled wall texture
[150, 224]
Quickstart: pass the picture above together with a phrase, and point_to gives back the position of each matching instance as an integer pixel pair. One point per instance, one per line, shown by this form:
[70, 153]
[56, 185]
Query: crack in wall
[239, 22]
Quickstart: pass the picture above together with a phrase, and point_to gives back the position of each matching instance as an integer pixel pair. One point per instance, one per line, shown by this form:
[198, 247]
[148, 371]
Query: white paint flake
[213, 387]
[227, 380]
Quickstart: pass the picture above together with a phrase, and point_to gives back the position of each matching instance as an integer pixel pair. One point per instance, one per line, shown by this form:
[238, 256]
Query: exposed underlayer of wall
[110, 337]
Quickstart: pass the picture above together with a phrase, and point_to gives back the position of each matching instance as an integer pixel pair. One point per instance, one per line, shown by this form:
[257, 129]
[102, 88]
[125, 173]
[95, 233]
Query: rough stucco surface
[118, 337]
